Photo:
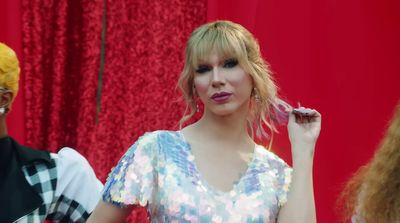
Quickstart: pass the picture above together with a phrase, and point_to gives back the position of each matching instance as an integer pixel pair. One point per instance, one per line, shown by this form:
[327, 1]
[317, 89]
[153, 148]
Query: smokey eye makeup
[202, 69]
[230, 63]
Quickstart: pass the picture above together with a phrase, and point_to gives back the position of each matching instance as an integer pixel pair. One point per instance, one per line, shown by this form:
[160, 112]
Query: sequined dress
[159, 173]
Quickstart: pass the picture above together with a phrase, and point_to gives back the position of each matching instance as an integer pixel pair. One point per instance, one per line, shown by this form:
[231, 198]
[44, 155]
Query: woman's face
[222, 85]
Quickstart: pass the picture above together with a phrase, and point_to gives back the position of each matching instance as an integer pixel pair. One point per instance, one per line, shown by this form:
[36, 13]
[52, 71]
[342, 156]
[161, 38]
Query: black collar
[6, 154]
[17, 196]
[28, 155]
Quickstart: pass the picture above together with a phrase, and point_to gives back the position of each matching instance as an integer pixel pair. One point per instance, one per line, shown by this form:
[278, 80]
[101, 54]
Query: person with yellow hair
[9, 70]
[37, 185]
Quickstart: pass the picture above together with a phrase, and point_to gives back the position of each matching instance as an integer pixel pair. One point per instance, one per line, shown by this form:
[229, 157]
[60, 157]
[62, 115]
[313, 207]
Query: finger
[303, 111]
[307, 112]
[306, 115]
[317, 116]
[299, 119]
[292, 117]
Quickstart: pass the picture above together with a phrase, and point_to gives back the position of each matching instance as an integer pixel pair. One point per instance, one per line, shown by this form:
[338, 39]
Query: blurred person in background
[372, 195]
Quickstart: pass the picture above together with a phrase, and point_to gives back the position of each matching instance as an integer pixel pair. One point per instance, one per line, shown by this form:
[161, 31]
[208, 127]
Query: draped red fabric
[143, 59]
[61, 50]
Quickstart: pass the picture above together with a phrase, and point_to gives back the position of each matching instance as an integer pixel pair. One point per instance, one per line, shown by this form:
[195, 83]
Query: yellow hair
[9, 69]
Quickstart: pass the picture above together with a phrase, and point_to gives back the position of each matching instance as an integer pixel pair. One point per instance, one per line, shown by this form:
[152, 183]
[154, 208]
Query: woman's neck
[230, 128]
[3, 126]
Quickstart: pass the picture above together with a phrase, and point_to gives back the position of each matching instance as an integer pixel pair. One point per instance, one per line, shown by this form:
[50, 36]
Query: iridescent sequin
[159, 172]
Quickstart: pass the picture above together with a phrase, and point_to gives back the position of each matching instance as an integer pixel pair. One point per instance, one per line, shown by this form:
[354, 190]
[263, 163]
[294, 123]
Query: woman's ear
[5, 99]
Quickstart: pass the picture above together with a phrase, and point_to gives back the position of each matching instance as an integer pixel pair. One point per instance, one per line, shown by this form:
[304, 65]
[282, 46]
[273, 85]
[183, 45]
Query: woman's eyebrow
[202, 64]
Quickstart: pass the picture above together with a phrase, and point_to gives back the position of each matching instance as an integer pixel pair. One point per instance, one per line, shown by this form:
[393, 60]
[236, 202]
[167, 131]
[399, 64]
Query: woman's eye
[202, 69]
[230, 63]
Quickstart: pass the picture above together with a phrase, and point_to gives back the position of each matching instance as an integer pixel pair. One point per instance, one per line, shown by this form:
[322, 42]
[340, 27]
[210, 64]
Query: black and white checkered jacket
[63, 188]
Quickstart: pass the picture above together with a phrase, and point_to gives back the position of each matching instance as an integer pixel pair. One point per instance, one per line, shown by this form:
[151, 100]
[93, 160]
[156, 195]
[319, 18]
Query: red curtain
[143, 47]
[143, 58]
[338, 56]
[61, 51]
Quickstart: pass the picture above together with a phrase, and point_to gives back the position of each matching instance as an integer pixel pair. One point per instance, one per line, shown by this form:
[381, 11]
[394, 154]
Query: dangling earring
[196, 99]
[257, 97]
[2, 111]
[197, 106]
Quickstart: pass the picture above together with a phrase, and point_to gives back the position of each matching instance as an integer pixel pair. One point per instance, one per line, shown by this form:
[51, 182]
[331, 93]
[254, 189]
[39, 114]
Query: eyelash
[202, 69]
[229, 63]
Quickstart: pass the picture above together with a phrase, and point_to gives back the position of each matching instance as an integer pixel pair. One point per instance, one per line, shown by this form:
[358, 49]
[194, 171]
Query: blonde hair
[9, 69]
[229, 39]
[374, 191]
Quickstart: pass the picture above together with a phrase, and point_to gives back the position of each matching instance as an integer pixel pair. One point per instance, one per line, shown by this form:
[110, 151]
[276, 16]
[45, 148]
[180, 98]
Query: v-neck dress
[158, 172]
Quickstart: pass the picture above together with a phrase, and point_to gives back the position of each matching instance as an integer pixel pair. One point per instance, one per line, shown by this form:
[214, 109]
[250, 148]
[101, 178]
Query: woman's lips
[221, 97]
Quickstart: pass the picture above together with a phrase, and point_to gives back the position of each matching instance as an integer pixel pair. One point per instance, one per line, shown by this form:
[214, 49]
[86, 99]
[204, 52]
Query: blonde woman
[373, 193]
[212, 170]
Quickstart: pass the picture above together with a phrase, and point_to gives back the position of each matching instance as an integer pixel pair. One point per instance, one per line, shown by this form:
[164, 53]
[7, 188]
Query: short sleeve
[283, 176]
[78, 190]
[132, 180]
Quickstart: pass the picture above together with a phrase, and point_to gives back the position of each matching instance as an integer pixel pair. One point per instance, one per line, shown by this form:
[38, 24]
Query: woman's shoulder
[277, 170]
[159, 135]
[157, 140]
[268, 156]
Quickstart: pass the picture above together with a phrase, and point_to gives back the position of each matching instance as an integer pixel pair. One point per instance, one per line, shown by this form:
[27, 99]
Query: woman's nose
[217, 78]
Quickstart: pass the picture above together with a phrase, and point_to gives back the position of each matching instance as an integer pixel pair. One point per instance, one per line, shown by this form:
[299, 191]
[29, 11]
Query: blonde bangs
[216, 40]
